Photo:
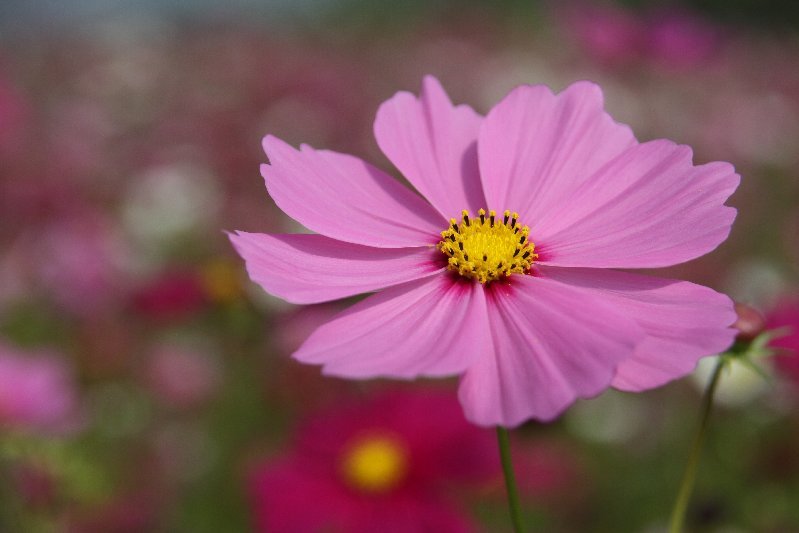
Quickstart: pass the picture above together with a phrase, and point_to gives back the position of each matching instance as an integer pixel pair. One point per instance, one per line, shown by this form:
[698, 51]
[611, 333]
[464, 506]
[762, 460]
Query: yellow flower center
[375, 463]
[486, 248]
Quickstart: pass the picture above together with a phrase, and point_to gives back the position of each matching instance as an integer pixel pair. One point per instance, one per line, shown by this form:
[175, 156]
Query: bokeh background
[146, 384]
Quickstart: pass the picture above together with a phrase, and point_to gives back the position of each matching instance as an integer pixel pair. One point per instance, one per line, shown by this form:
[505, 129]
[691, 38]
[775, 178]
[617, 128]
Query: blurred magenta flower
[521, 301]
[37, 391]
[674, 39]
[394, 463]
[606, 33]
[171, 295]
[786, 315]
[680, 40]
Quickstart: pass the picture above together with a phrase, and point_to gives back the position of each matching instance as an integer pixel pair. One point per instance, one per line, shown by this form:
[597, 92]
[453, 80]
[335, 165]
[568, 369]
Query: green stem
[510, 479]
[677, 521]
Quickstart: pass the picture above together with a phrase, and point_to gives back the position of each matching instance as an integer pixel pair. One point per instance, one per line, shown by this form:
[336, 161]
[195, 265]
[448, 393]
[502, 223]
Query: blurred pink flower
[681, 41]
[393, 463]
[78, 262]
[606, 33]
[532, 317]
[37, 392]
[616, 36]
[786, 315]
[172, 295]
[182, 377]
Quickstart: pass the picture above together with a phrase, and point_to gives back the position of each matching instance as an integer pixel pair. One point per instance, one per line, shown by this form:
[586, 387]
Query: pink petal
[433, 327]
[536, 148]
[553, 343]
[682, 321]
[649, 207]
[345, 198]
[312, 268]
[434, 145]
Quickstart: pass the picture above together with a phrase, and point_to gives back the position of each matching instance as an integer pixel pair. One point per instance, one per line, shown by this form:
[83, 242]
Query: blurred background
[146, 384]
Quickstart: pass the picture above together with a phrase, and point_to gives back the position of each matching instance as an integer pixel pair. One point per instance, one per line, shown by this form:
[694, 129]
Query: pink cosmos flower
[505, 275]
[396, 462]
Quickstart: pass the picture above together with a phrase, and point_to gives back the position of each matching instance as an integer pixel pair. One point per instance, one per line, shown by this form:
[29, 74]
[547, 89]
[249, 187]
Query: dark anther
[455, 228]
[525, 254]
[466, 219]
[522, 239]
[492, 220]
[499, 266]
[452, 238]
[516, 252]
[505, 220]
[485, 257]
[465, 257]
[482, 218]
[513, 222]
[460, 245]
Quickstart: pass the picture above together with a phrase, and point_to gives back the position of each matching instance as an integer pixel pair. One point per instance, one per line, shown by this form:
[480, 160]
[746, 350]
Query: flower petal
[280, 491]
[306, 269]
[553, 343]
[431, 327]
[345, 198]
[434, 145]
[682, 321]
[649, 207]
[536, 148]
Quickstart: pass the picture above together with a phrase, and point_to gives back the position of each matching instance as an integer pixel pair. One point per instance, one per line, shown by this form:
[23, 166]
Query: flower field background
[146, 384]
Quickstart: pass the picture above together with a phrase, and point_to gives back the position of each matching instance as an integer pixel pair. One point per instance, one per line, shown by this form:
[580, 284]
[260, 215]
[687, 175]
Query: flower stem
[689, 475]
[510, 479]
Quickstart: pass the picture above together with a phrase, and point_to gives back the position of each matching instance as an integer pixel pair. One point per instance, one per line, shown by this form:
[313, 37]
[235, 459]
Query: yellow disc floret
[375, 463]
[486, 248]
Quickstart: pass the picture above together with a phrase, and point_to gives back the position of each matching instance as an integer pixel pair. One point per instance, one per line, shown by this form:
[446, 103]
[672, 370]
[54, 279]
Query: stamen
[492, 246]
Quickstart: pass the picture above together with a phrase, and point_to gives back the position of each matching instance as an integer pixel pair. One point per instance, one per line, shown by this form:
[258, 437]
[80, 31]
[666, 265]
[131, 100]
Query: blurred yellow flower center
[221, 281]
[486, 248]
[375, 464]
